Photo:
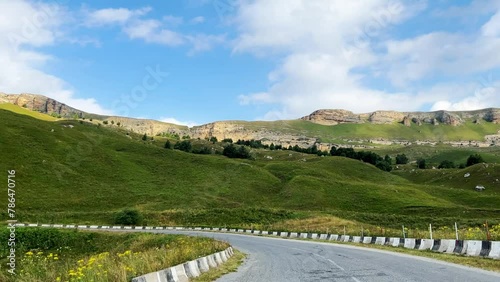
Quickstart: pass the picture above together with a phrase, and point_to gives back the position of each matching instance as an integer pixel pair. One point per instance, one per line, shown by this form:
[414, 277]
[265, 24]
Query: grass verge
[70, 255]
[230, 266]
[477, 262]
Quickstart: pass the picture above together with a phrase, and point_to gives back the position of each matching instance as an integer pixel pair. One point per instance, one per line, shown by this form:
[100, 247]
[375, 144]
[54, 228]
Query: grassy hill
[85, 173]
[465, 132]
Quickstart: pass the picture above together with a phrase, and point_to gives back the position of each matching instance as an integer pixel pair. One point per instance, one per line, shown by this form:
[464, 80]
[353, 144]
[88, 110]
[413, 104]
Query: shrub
[447, 164]
[128, 217]
[168, 145]
[401, 159]
[213, 139]
[232, 151]
[421, 163]
[144, 137]
[474, 159]
[228, 140]
[183, 146]
[202, 151]
[105, 122]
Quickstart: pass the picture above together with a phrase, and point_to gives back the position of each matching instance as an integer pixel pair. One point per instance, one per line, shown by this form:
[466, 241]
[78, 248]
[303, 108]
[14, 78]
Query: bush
[474, 159]
[447, 164]
[105, 122]
[401, 159]
[128, 217]
[168, 145]
[202, 151]
[183, 146]
[227, 140]
[232, 151]
[213, 139]
[421, 163]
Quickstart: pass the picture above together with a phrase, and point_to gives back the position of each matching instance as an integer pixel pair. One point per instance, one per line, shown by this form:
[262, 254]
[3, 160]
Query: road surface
[276, 260]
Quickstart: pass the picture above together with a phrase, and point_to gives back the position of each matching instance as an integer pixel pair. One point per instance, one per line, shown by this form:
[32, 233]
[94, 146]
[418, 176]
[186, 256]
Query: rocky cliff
[334, 117]
[283, 134]
[41, 104]
[50, 106]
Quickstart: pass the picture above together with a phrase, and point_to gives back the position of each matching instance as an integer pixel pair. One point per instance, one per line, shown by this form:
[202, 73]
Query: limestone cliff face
[49, 106]
[333, 117]
[41, 104]
[146, 126]
[385, 117]
[246, 131]
[236, 130]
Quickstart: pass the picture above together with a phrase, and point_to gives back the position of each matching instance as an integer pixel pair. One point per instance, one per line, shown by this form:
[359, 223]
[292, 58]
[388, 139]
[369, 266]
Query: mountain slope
[86, 172]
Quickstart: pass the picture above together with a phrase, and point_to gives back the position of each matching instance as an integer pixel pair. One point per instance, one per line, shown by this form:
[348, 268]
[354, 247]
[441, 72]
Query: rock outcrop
[386, 117]
[267, 133]
[333, 117]
[41, 104]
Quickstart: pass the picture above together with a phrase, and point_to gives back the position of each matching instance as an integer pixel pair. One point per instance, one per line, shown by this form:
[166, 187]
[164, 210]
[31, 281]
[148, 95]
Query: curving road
[276, 260]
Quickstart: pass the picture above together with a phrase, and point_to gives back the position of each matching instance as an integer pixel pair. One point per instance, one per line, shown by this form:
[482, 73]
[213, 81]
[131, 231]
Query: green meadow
[87, 173]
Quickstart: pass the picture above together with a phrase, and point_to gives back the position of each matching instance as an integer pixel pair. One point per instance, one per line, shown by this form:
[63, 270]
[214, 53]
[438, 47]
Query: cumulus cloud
[155, 31]
[26, 26]
[113, 16]
[330, 48]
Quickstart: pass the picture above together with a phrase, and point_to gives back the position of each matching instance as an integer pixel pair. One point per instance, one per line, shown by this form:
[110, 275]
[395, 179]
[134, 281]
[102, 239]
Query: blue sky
[198, 61]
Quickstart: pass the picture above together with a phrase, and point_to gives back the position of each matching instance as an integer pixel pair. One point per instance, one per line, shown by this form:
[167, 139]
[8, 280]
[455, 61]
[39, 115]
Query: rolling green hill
[395, 131]
[76, 172]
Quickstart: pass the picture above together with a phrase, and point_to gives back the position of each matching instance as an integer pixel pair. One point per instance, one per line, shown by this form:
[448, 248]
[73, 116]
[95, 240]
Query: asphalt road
[272, 259]
[287, 260]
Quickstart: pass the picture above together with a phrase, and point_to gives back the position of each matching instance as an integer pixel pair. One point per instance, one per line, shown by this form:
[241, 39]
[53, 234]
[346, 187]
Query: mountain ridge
[285, 132]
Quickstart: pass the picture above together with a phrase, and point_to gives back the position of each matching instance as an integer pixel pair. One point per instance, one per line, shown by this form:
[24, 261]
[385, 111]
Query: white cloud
[486, 95]
[113, 16]
[151, 31]
[175, 121]
[198, 20]
[24, 27]
[172, 20]
[322, 42]
[154, 31]
[329, 48]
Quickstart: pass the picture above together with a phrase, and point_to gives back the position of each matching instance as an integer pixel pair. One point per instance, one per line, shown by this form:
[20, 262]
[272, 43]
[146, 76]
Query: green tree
[144, 137]
[474, 159]
[401, 159]
[421, 163]
[388, 159]
[113, 122]
[227, 140]
[232, 151]
[128, 217]
[447, 164]
[184, 145]
[168, 145]
[105, 122]
[213, 139]
[384, 165]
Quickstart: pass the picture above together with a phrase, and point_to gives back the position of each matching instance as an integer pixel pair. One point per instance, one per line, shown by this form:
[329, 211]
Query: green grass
[87, 173]
[71, 255]
[465, 132]
[231, 265]
[477, 262]
[20, 110]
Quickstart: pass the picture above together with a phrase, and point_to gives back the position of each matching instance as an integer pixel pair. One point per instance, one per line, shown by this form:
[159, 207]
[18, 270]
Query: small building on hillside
[480, 188]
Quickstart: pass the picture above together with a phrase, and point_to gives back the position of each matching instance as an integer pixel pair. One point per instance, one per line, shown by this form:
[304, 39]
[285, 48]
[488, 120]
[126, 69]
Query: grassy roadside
[477, 262]
[70, 255]
[230, 266]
